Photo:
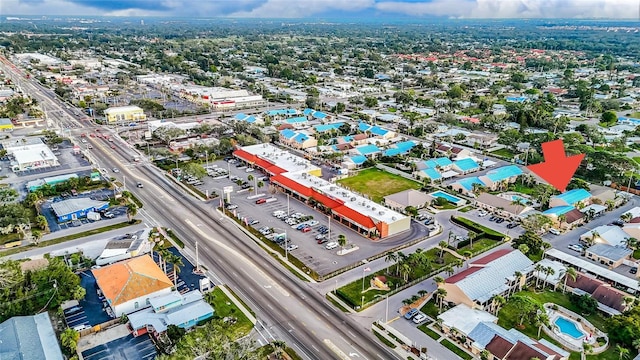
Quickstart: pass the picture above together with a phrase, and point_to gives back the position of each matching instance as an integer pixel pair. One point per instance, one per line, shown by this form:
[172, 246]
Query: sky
[613, 9]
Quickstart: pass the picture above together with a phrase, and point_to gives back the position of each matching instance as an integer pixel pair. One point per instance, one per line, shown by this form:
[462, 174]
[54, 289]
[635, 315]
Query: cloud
[305, 8]
[514, 8]
[117, 5]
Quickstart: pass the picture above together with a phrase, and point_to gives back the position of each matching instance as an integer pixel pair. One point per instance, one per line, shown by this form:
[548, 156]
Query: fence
[99, 327]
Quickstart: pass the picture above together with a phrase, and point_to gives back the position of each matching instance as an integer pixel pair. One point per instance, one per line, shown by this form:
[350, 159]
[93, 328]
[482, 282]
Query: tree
[41, 222]
[442, 245]
[568, 272]
[278, 347]
[176, 262]
[441, 293]
[438, 280]
[8, 194]
[36, 235]
[608, 118]
[531, 239]
[175, 333]
[370, 102]
[342, 241]
[195, 170]
[623, 353]
[525, 307]
[497, 301]
[132, 210]
[585, 303]
[523, 248]
[79, 293]
[624, 328]
[390, 257]
[69, 339]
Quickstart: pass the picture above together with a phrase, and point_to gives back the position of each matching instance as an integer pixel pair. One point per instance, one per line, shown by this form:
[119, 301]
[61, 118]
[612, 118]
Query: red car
[113, 146]
[306, 229]
[261, 201]
[92, 135]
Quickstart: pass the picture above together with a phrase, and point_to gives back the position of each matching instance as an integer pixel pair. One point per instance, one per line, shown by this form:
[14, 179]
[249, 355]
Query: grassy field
[378, 183]
[453, 347]
[477, 246]
[432, 334]
[635, 115]
[225, 307]
[636, 159]
[431, 309]
[504, 152]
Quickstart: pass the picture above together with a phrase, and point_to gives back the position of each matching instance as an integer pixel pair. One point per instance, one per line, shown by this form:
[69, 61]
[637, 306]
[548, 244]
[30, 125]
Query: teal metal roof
[574, 196]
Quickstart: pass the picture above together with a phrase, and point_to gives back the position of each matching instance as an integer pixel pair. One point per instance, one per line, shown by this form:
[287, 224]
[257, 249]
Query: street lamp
[286, 243]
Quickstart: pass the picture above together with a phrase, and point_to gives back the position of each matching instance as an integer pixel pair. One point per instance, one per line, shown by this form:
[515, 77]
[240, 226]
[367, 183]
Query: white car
[482, 213]
[232, 206]
[554, 231]
[291, 247]
[84, 141]
[332, 245]
[250, 170]
[419, 318]
[115, 170]
[312, 222]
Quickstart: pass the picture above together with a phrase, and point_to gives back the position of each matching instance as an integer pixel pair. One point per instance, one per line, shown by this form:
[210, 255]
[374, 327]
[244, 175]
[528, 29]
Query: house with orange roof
[130, 285]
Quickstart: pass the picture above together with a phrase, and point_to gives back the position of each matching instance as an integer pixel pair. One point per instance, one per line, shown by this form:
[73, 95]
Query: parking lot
[126, 348]
[492, 224]
[187, 280]
[314, 255]
[94, 311]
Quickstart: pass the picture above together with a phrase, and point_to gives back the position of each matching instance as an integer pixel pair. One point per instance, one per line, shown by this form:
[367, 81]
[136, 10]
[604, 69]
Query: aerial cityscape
[319, 180]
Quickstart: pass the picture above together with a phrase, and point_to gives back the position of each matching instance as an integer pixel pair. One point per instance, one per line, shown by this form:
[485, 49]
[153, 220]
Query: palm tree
[342, 241]
[391, 257]
[442, 244]
[568, 273]
[518, 275]
[405, 269]
[36, 235]
[623, 352]
[69, 339]
[636, 344]
[422, 292]
[438, 280]
[548, 271]
[518, 202]
[132, 210]
[176, 262]
[278, 348]
[440, 295]
[543, 320]
[400, 257]
[626, 217]
[538, 268]
[497, 301]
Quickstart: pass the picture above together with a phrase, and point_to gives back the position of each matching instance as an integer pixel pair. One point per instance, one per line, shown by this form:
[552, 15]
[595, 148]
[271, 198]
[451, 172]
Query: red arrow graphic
[557, 168]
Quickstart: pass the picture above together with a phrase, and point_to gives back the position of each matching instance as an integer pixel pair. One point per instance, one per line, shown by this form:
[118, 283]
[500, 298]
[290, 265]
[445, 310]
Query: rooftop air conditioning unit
[353, 199]
[393, 218]
[331, 188]
[381, 213]
[368, 206]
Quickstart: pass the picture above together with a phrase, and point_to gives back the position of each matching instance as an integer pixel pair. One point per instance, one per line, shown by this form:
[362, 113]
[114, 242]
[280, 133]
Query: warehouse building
[124, 115]
[76, 208]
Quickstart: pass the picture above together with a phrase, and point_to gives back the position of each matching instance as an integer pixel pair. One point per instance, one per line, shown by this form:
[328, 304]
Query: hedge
[480, 230]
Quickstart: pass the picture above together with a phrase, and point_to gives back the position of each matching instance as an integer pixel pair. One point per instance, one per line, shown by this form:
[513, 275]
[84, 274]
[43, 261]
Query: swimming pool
[450, 198]
[568, 327]
[519, 198]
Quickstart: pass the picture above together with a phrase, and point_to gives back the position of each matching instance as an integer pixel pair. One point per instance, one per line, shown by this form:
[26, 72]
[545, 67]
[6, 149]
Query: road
[285, 306]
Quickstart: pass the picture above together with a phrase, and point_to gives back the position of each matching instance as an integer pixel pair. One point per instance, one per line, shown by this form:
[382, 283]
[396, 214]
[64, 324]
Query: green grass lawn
[636, 254]
[7, 238]
[523, 189]
[224, 307]
[432, 334]
[378, 183]
[453, 347]
[635, 115]
[478, 245]
[504, 152]
[636, 159]
[431, 309]
[474, 226]
[466, 209]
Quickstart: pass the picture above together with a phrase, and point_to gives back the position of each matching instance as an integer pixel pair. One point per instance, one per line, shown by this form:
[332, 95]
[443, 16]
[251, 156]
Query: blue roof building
[328, 127]
[296, 120]
[282, 112]
[517, 99]
[319, 115]
[287, 133]
[441, 162]
[76, 208]
[558, 210]
[432, 174]
[467, 183]
[29, 337]
[300, 138]
[571, 197]
[376, 130]
[368, 149]
[466, 165]
[393, 152]
[405, 145]
[500, 174]
[362, 126]
[358, 159]
[244, 117]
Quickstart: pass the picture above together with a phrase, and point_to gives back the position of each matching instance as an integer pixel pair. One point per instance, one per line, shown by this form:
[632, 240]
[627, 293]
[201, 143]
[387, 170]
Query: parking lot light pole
[286, 245]
[288, 213]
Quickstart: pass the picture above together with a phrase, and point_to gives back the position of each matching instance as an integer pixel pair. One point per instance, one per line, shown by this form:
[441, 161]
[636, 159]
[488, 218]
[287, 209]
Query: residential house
[375, 131]
[610, 300]
[298, 122]
[501, 206]
[608, 255]
[279, 114]
[129, 285]
[576, 198]
[401, 200]
[29, 337]
[322, 128]
[297, 139]
[465, 166]
[565, 217]
[498, 178]
[463, 319]
[503, 344]
[181, 310]
[249, 119]
[399, 148]
[486, 277]
[606, 234]
[315, 115]
[370, 151]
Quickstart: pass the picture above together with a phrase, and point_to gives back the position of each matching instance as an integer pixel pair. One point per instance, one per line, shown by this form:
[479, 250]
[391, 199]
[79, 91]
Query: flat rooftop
[350, 199]
[281, 158]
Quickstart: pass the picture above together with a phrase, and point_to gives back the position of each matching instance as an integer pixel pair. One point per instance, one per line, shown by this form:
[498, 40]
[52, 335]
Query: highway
[286, 307]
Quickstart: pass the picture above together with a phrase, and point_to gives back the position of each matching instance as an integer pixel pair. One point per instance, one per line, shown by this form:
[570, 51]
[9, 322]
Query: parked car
[512, 225]
[499, 220]
[482, 213]
[618, 222]
[115, 170]
[419, 318]
[253, 222]
[428, 221]
[250, 169]
[320, 237]
[575, 247]
[261, 201]
[633, 270]
[301, 226]
[322, 241]
[493, 218]
[554, 231]
[410, 314]
[291, 247]
[139, 184]
[232, 206]
[306, 229]
[332, 245]
[108, 215]
[312, 222]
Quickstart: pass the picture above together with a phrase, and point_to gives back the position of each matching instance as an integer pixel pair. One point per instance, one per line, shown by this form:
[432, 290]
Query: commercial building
[6, 125]
[123, 115]
[130, 285]
[76, 208]
[34, 185]
[297, 139]
[29, 154]
[182, 310]
[401, 200]
[125, 247]
[301, 179]
[29, 337]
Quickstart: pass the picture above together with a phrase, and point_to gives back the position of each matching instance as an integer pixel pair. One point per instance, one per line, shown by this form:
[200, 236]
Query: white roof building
[464, 319]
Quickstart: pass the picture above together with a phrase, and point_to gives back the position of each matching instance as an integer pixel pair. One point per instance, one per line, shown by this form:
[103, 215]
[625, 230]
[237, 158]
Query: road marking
[313, 346]
[269, 306]
[394, 319]
[260, 342]
[291, 326]
[350, 333]
[325, 313]
[354, 355]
